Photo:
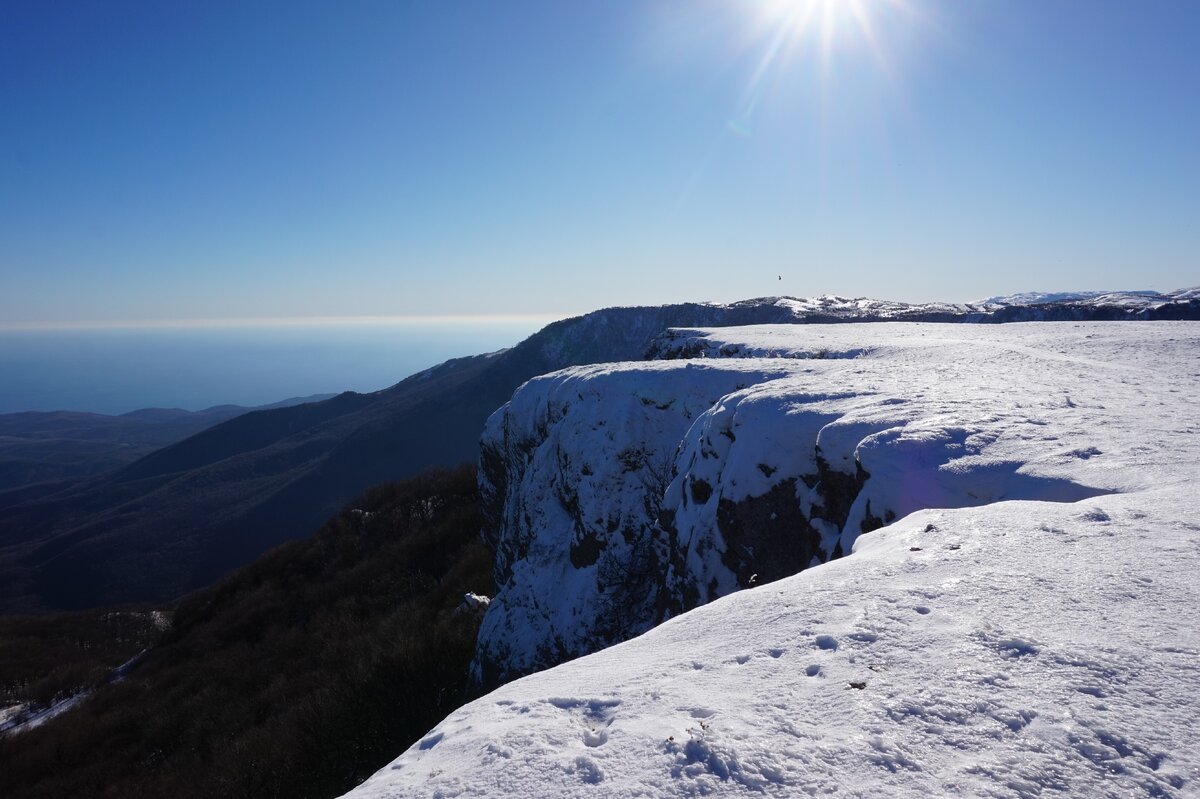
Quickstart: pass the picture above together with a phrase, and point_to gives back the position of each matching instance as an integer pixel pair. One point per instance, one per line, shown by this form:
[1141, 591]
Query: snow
[583, 451]
[1026, 626]
[1134, 299]
[833, 305]
[1040, 297]
[10, 714]
[23, 717]
[474, 603]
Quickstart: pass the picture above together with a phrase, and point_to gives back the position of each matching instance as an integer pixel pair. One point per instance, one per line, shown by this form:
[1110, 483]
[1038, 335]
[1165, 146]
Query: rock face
[573, 471]
[619, 495]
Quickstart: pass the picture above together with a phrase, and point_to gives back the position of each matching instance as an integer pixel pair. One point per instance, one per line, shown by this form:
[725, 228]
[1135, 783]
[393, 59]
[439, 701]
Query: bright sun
[829, 20]
[817, 28]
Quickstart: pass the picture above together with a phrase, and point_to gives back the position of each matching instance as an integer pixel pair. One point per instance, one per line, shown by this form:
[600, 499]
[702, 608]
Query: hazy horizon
[119, 366]
[124, 369]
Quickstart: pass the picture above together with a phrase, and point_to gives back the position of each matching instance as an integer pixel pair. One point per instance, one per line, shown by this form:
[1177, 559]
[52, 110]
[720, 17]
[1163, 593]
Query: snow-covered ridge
[1131, 299]
[618, 495]
[1006, 649]
[1026, 306]
[867, 309]
[625, 331]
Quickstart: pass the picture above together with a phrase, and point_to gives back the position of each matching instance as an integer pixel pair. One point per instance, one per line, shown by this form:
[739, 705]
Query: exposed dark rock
[870, 521]
[585, 551]
[838, 490]
[767, 535]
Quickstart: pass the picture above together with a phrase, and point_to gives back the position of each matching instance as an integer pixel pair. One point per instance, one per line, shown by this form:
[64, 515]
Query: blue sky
[232, 159]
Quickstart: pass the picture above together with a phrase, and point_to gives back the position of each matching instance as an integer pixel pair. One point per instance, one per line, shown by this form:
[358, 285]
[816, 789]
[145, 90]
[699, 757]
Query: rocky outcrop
[572, 474]
[619, 495]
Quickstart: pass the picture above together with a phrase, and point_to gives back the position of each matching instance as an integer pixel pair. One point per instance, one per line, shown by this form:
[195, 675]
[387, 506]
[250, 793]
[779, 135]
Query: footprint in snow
[1013, 647]
[588, 770]
[596, 715]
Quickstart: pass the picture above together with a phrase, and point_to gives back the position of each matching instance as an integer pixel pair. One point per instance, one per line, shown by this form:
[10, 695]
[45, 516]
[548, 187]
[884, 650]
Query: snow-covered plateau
[1001, 531]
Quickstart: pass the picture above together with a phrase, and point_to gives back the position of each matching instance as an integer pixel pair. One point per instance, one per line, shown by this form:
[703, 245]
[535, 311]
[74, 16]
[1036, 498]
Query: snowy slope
[996, 646]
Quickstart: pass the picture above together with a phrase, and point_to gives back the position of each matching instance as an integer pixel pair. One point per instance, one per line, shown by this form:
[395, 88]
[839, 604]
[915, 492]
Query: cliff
[619, 495]
[1019, 619]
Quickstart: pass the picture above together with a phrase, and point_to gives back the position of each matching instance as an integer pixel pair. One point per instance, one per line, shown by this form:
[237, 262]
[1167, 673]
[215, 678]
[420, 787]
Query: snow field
[1021, 648]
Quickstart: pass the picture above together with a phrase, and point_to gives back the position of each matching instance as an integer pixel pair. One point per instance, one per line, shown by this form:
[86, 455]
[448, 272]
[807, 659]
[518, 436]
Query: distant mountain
[1033, 306]
[59, 446]
[1134, 299]
[1095, 306]
[181, 517]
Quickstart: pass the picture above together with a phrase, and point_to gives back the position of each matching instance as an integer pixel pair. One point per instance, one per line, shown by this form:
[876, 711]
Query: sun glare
[828, 17]
[818, 30]
[832, 23]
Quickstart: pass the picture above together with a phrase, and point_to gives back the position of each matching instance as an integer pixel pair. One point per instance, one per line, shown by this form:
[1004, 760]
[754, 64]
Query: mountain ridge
[59, 446]
[187, 514]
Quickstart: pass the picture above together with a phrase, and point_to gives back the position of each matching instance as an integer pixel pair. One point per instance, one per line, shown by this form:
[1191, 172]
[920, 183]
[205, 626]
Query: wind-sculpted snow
[1014, 648]
[618, 495]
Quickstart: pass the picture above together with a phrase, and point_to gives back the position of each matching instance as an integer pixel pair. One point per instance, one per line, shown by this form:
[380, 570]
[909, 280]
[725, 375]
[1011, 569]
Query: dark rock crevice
[767, 537]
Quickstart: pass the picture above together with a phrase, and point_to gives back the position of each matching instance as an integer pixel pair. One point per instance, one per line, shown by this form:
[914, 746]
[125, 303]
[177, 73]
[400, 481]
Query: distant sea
[119, 370]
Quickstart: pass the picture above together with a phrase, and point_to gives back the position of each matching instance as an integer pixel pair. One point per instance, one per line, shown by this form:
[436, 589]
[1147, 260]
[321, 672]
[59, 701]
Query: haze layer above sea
[195, 366]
